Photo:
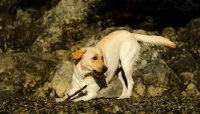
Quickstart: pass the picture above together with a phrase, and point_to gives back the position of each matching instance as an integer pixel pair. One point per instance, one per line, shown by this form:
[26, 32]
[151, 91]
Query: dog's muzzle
[96, 73]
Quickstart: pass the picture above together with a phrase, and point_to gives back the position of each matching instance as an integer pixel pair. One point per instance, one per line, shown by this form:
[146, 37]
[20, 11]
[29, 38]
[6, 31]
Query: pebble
[143, 105]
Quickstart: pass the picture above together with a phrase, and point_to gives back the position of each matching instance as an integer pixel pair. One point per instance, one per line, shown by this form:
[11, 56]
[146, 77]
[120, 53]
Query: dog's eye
[95, 58]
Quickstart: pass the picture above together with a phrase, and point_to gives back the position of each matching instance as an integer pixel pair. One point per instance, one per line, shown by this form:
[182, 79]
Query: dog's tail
[155, 40]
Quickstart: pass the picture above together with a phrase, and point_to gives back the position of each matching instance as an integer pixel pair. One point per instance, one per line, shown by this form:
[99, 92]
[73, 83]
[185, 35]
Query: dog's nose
[104, 69]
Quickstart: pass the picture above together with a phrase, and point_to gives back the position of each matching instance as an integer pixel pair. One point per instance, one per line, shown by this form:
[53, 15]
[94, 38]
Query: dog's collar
[77, 61]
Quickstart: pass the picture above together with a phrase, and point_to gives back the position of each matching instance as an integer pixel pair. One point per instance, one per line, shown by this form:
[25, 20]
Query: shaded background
[110, 13]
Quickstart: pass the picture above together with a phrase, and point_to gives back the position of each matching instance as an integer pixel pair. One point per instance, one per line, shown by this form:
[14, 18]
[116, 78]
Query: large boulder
[23, 73]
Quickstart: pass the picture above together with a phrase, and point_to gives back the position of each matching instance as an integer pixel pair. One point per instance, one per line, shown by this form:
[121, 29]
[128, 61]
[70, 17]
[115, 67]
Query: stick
[70, 96]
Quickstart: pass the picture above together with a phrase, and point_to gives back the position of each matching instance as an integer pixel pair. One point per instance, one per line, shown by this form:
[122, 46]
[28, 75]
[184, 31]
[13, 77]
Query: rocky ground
[145, 105]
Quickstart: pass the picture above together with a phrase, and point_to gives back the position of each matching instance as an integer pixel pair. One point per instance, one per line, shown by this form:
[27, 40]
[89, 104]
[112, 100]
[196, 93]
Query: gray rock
[184, 63]
[193, 32]
[61, 81]
[23, 73]
[171, 33]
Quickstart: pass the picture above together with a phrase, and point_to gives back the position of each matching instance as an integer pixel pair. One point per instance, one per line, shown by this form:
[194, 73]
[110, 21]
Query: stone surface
[61, 81]
[23, 73]
[46, 67]
[140, 105]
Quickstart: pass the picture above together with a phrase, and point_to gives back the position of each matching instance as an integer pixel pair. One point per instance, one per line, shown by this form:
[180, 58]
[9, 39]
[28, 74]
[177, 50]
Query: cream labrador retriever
[120, 51]
[88, 71]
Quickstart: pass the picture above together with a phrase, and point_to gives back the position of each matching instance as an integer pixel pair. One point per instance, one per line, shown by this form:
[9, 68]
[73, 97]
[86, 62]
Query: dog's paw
[59, 100]
[76, 100]
[123, 97]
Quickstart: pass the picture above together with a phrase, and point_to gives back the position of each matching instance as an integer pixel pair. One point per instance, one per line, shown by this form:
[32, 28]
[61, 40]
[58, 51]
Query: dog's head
[90, 60]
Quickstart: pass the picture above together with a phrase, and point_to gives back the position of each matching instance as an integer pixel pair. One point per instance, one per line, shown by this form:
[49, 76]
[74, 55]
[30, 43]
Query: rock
[148, 23]
[187, 77]
[139, 87]
[40, 93]
[157, 78]
[140, 32]
[45, 91]
[61, 80]
[68, 12]
[170, 33]
[191, 90]
[191, 82]
[181, 32]
[154, 91]
[60, 54]
[1, 52]
[23, 73]
[184, 63]
[158, 73]
[193, 32]
[113, 89]
[24, 17]
[197, 78]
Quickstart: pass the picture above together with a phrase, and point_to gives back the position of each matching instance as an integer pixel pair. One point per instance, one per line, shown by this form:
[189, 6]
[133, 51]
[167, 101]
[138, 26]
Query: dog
[88, 71]
[116, 53]
[120, 51]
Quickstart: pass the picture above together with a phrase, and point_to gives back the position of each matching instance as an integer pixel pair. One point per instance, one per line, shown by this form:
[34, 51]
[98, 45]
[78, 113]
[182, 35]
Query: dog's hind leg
[109, 75]
[128, 58]
[127, 89]
[112, 63]
[123, 81]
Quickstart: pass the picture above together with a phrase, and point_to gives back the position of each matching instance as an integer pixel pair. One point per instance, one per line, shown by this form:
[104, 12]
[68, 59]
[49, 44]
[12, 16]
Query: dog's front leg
[92, 92]
[89, 96]
[72, 91]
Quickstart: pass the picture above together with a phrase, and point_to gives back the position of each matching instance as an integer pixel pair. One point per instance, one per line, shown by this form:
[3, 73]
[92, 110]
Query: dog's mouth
[98, 74]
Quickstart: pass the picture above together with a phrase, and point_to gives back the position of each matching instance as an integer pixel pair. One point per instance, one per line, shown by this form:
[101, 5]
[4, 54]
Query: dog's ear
[78, 54]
